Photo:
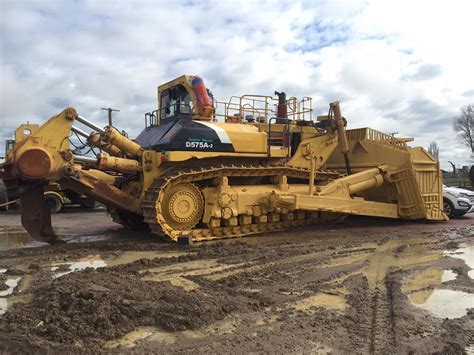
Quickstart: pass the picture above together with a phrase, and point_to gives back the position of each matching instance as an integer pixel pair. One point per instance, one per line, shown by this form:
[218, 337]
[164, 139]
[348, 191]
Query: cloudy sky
[396, 66]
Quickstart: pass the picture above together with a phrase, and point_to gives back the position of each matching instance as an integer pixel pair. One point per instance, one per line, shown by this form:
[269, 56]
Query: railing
[278, 138]
[259, 108]
[373, 135]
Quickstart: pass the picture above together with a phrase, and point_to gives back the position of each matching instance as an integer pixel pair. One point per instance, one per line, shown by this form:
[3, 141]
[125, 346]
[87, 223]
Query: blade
[35, 214]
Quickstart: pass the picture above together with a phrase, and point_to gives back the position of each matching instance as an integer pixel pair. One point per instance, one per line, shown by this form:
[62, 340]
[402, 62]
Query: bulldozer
[203, 169]
[54, 196]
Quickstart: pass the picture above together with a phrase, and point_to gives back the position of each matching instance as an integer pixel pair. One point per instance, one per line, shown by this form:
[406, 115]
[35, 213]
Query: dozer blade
[35, 214]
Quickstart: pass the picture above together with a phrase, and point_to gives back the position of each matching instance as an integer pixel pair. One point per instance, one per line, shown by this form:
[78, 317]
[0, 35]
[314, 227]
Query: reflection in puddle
[96, 261]
[11, 283]
[13, 237]
[427, 278]
[84, 263]
[446, 303]
[379, 259]
[466, 253]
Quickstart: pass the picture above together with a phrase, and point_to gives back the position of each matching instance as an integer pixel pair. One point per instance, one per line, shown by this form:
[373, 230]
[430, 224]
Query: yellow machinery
[210, 169]
[54, 196]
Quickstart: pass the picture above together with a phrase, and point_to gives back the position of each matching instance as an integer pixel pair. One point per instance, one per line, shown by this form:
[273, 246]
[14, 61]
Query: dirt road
[363, 286]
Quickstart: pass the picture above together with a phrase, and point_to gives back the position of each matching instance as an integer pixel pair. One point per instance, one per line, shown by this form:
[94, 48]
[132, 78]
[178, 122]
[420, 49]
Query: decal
[221, 133]
[199, 143]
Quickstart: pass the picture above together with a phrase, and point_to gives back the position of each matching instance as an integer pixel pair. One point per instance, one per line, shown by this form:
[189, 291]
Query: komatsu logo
[199, 143]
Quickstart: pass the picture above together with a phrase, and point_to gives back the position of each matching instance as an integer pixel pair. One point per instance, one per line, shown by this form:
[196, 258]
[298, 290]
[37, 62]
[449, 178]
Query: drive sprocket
[181, 206]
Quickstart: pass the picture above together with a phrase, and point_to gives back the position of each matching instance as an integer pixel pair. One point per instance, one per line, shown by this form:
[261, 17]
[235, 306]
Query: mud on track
[364, 286]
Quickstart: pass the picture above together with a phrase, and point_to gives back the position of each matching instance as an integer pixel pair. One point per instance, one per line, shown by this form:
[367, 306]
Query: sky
[395, 66]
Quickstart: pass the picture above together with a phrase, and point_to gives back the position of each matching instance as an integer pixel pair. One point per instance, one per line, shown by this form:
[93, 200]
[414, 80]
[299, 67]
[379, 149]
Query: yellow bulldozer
[207, 169]
[54, 196]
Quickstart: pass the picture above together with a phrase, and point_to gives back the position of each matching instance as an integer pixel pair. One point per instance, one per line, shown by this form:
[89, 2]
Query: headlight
[464, 204]
[463, 195]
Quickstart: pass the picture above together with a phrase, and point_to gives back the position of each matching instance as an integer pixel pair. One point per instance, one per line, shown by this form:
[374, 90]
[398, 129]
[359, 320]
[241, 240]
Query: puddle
[14, 237]
[427, 278]
[11, 283]
[153, 334]
[96, 261]
[466, 253]
[379, 259]
[422, 291]
[132, 256]
[131, 339]
[325, 300]
[444, 303]
[92, 261]
[176, 273]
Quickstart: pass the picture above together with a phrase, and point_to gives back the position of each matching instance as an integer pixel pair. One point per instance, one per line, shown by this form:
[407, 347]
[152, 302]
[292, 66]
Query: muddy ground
[362, 286]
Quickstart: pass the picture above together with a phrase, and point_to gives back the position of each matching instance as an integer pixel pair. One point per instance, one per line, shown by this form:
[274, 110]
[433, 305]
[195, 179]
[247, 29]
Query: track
[154, 205]
[327, 289]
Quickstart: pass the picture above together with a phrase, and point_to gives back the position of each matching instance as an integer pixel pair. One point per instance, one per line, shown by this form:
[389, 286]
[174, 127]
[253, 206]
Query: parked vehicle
[457, 202]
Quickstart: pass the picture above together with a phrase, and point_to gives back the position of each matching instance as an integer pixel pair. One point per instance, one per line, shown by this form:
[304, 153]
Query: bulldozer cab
[184, 97]
[175, 102]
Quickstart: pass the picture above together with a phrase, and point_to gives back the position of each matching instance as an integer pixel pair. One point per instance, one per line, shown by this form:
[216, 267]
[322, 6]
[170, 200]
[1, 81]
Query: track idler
[35, 214]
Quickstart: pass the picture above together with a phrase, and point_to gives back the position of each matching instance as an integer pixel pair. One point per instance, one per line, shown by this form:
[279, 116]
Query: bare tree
[464, 126]
[454, 168]
[433, 149]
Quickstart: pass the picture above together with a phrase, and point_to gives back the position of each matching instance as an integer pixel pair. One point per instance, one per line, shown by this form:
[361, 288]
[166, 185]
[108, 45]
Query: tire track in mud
[267, 287]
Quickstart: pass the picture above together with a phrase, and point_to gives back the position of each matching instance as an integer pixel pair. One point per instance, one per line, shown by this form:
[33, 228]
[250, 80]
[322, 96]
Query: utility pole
[110, 110]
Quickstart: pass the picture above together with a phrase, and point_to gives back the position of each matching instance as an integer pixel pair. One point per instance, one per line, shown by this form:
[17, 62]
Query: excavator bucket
[35, 214]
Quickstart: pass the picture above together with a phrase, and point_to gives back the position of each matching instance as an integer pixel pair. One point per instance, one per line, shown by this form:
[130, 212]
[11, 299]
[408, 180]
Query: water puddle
[128, 257]
[12, 283]
[14, 237]
[140, 334]
[329, 301]
[427, 278]
[444, 303]
[176, 274]
[466, 253]
[156, 335]
[96, 261]
[377, 260]
[423, 292]
[92, 261]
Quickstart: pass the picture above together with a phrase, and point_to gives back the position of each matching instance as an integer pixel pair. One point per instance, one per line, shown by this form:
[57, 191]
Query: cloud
[426, 72]
[392, 69]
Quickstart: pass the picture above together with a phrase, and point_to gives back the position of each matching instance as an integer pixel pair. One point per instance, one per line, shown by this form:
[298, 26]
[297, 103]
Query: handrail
[286, 135]
[262, 106]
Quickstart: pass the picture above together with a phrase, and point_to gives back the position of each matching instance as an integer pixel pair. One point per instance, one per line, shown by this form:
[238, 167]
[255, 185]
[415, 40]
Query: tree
[434, 150]
[454, 168]
[471, 175]
[464, 126]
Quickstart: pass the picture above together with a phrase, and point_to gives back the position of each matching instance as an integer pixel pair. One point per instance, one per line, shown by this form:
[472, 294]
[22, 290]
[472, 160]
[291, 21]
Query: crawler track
[153, 204]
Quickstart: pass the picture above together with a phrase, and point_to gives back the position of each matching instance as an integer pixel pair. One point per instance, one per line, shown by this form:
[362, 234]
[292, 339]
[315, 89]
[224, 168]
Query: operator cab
[181, 122]
[175, 102]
